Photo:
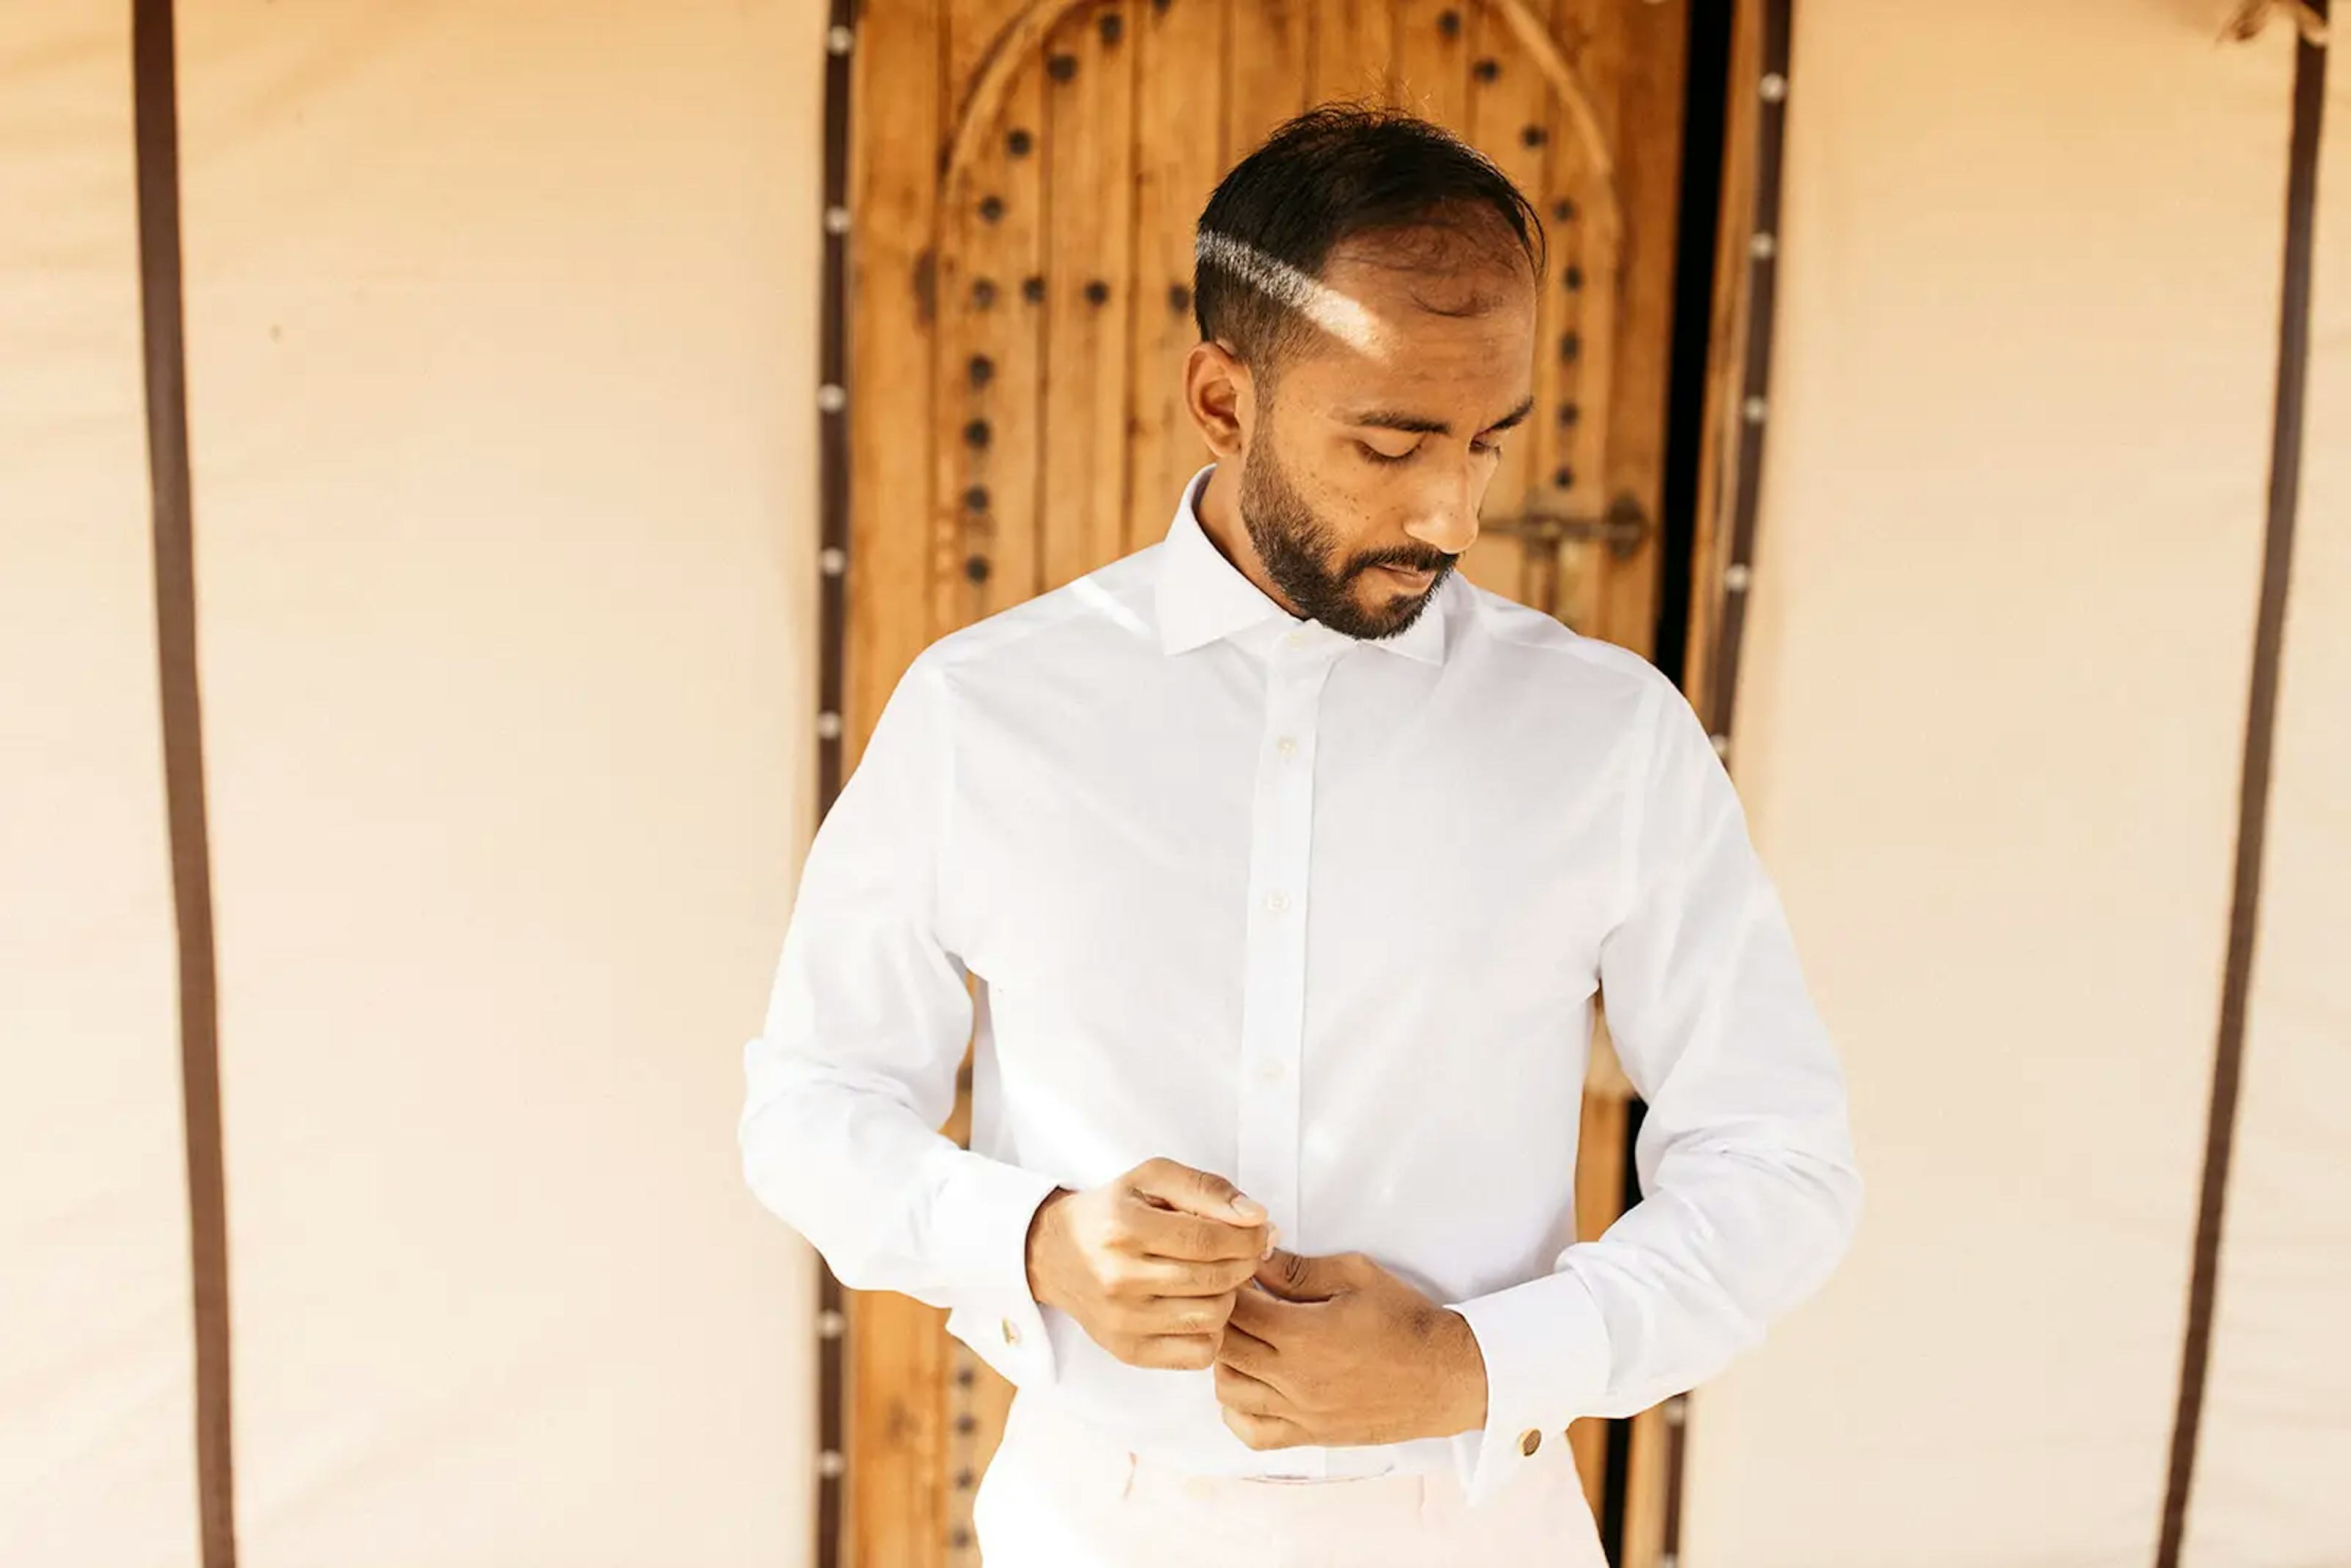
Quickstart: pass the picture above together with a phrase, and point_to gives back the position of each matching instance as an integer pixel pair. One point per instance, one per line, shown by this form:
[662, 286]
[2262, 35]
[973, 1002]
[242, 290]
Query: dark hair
[1330, 174]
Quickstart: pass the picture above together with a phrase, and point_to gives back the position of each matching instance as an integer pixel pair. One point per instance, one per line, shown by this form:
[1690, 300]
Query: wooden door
[1027, 175]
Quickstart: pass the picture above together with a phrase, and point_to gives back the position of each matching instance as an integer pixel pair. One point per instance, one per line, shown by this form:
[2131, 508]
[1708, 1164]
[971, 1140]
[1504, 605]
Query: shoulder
[1095, 615]
[1540, 650]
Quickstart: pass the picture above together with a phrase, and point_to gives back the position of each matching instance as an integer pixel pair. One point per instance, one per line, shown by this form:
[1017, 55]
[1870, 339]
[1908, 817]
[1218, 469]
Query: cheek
[1347, 500]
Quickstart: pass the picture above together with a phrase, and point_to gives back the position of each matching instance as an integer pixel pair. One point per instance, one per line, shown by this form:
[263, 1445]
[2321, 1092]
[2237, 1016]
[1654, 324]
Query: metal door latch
[1623, 527]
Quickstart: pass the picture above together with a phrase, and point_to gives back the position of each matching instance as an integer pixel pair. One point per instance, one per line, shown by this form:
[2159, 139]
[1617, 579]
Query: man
[1272, 872]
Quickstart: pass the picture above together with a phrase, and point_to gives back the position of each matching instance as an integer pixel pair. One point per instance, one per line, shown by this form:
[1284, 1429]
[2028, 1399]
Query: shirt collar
[1202, 597]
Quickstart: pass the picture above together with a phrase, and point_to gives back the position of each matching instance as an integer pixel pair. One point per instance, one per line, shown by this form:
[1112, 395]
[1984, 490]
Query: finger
[1135, 1275]
[1264, 1431]
[1245, 1352]
[1191, 1238]
[1269, 1317]
[1237, 1390]
[1184, 1315]
[1199, 1192]
[1174, 1353]
[1298, 1278]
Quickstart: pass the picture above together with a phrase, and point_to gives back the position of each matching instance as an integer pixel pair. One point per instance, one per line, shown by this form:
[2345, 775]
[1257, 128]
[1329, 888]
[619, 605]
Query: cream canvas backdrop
[501, 351]
[96, 1392]
[501, 335]
[1989, 736]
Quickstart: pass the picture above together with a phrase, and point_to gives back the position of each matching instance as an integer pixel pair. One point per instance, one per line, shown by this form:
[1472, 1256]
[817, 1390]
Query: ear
[1222, 396]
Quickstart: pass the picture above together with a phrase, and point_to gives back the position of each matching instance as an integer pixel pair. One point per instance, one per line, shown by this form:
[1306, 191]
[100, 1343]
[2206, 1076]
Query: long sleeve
[1750, 1193]
[855, 1068]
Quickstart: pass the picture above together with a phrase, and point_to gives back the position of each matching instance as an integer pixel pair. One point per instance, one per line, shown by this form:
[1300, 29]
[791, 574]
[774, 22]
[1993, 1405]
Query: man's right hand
[1148, 1264]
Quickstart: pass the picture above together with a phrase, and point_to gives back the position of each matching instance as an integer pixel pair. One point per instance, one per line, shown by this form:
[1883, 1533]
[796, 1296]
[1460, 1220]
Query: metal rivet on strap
[830, 1464]
[828, 727]
[1774, 87]
[840, 40]
[832, 560]
[1734, 577]
[831, 399]
[836, 220]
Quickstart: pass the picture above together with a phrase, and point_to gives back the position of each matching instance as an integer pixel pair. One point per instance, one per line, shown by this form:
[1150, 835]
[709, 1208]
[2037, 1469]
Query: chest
[1372, 824]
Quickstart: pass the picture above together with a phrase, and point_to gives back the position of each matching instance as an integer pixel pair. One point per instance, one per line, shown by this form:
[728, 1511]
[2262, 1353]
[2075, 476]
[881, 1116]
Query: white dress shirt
[1200, 880]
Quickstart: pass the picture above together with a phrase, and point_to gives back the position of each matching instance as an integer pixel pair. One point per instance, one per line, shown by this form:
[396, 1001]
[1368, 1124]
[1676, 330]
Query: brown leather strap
[154, 95]
[833, 640]
[2254, 791]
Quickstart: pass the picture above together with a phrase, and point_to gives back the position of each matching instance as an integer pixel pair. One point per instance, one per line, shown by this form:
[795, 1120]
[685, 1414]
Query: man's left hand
[1337, 1352]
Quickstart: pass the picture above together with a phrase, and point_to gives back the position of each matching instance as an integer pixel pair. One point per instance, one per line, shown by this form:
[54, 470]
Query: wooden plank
[897, 1436]
[1634, 63]
[890, 380]
[1586, 285]
[979, 1403]
[1577, 344]
[1179, 89]
[1735, 267]
[1265, 70]
[1432, 61]
[977, 32]
[1509, 123]
[1353, 52]
[988, 371]
[1090, 174]
[973, 1401]
[892, 1428]
[1599, 1200]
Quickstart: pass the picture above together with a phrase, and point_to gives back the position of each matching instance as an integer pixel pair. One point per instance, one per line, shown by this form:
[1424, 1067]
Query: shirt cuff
[1546, 1351]
[981, 1230]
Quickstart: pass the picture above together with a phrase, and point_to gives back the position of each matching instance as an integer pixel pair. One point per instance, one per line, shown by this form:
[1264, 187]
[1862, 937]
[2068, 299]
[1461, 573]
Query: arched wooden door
[1027, 177]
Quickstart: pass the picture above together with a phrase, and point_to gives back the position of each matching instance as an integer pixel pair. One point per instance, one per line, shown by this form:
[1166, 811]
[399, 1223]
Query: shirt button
[1294, 639]
[1011, 1334]
[1270, 1072]
[1286, 746]
[1277, 901]
[1529, 1441]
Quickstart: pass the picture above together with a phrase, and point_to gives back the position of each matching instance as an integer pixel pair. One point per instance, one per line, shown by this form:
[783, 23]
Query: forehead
[1445, 333]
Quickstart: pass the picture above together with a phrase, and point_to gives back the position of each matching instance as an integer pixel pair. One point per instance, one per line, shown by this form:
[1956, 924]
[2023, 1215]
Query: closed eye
[1483, 449]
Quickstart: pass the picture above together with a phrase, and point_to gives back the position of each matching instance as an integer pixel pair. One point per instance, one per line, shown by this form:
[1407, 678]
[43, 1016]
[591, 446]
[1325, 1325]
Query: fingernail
[1272, 1236]
[1248, 1209]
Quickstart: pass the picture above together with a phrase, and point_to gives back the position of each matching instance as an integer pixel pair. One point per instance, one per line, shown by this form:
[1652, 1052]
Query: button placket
[1273, 1004]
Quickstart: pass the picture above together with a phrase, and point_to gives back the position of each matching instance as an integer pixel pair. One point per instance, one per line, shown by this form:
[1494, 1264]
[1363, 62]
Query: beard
[1300, 552]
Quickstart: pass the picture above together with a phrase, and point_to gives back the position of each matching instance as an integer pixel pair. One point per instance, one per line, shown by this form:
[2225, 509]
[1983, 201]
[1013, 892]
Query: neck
[1219, 511]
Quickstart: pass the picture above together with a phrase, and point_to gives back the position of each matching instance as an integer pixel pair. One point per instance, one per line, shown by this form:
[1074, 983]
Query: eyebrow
[1412, 424]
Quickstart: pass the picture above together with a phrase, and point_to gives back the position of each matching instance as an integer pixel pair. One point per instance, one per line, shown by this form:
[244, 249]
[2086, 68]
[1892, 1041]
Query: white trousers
[1059, 1495]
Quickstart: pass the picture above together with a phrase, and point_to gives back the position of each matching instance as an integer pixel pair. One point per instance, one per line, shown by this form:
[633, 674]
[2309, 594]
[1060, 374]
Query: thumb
[1298, 1278]
[1203, 1193]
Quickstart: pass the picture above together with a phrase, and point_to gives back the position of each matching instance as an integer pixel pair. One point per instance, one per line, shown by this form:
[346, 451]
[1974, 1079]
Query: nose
[1446, 519]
